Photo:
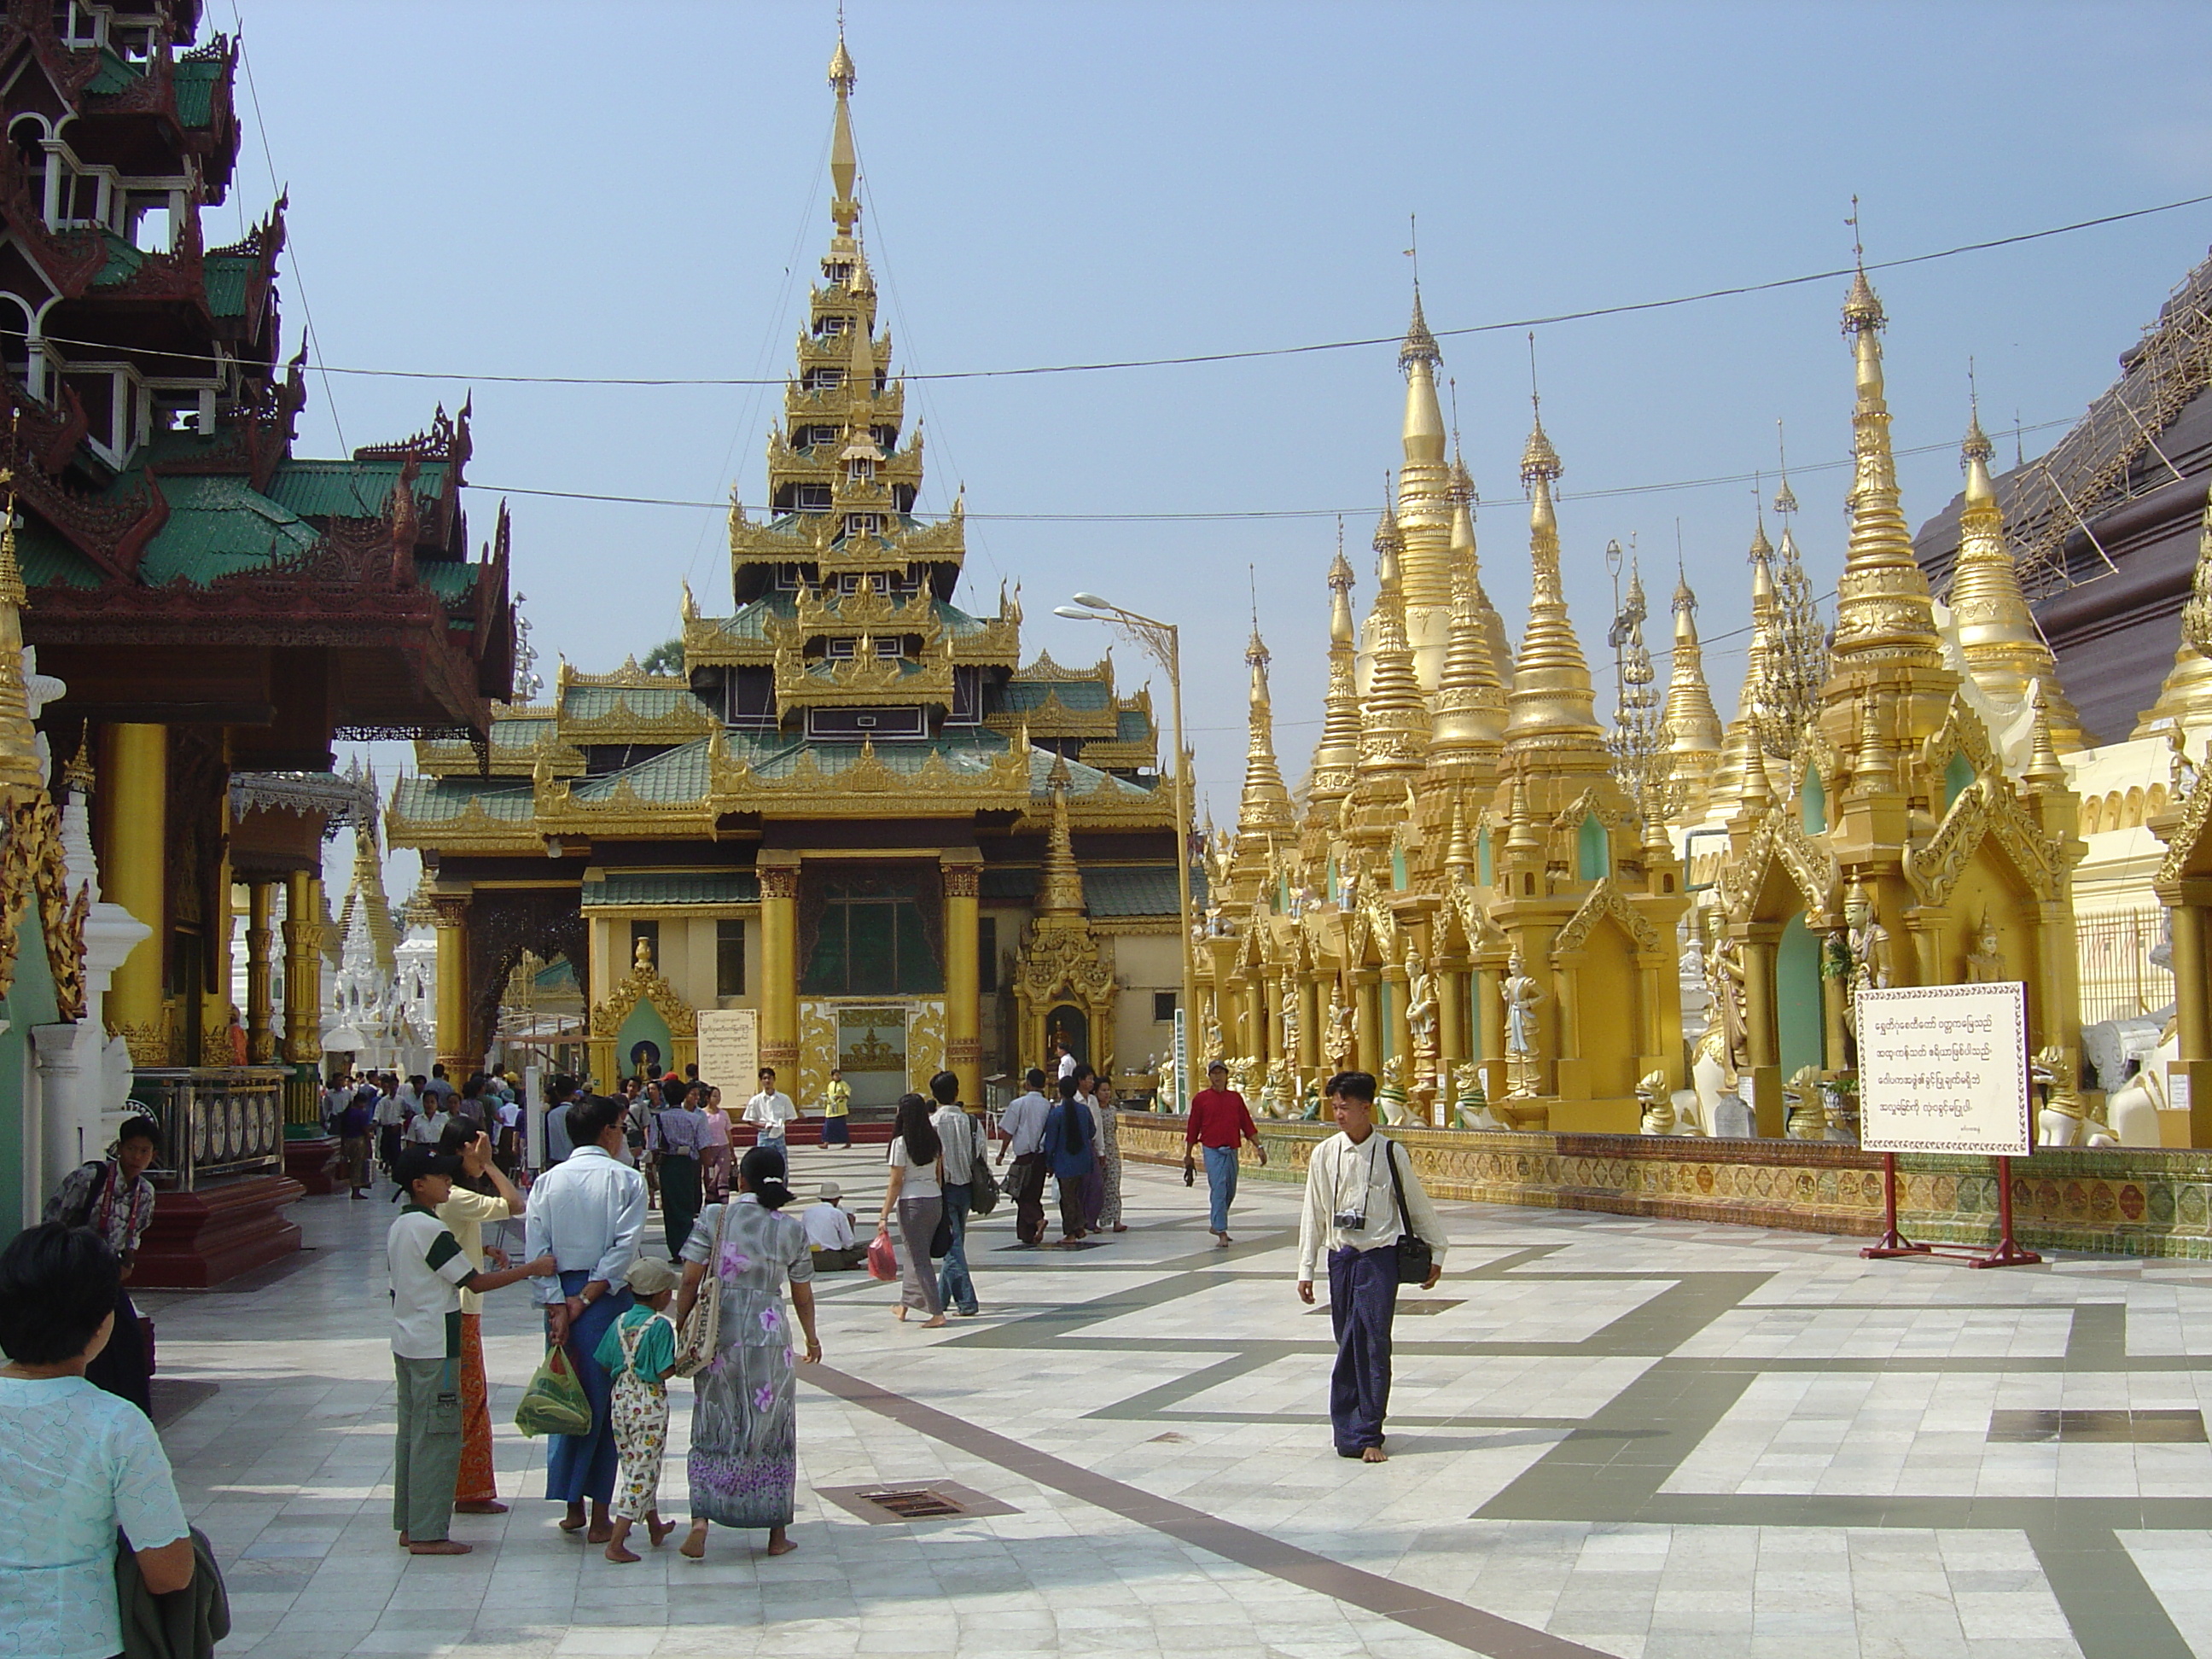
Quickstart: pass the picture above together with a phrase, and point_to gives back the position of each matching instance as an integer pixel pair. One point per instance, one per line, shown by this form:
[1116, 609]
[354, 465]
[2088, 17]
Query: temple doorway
[871, 1045]
[1067, 1027]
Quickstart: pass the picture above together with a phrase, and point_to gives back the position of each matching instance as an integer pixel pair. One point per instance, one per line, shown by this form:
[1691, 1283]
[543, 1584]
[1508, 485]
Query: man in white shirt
[587, 1212]
[429, 1125]
[768, 1112]
[391, 1130]
[1021, 1124]
[1352, 1212]
[829, 1234]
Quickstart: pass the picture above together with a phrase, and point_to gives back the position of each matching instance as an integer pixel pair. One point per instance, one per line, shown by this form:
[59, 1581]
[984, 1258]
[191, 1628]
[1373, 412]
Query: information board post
[1943, 1068]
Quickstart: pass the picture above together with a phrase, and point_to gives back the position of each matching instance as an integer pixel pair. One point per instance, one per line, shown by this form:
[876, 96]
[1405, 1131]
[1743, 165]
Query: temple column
[455, 1040]
[1399, 1030]
[964, 997]
[1451, 1034]
[1256, 1016]
[1762, 1034]
[1571, 1072]
[1367, 1022]
[214, 1013]
[135, 772]
[260, 1035]
[1489, 1021]
[2190, 1074]
[303, 998]
[1271, 991]
[779, 991]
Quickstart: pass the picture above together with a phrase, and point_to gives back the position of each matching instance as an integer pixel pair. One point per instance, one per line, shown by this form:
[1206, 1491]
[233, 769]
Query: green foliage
[667, 658]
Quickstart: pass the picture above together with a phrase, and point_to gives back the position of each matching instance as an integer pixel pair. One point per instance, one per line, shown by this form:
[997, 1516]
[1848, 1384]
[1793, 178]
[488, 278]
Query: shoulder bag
[982, 1185]
[1416, 1260]
[701, 1330]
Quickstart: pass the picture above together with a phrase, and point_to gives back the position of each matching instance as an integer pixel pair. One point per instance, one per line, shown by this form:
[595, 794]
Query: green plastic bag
[554, 1403]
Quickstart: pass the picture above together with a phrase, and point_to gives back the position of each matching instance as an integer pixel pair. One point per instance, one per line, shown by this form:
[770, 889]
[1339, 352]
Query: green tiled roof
[588, 703]
[1017, 696]
[512, 729]
[50, 561]
[1082, 780]
[196, 81]
[669, 779]
[957, 622]
[1134, 726]
[1114, 890]
[1132, 890]
[218, 526]
[449, 578]
[349, 489]
[225, 276]
[750, 623]
[437, 800]
[634, 887]
[124, 261]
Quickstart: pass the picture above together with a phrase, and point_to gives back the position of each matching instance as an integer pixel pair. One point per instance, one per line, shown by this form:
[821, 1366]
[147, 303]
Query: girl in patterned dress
[743, 1465]
[637, 1352]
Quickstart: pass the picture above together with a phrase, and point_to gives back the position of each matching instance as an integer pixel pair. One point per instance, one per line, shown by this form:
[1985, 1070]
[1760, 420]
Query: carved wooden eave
[862, 680]
[643, 985]
[862, 788]
[1604, 901]
[2182, 830]
[1053, 719]
[1061, 957]
[625, 724]
[1987, 809]
[1044, 668]
[1779, 840]
[628, 678]
[33, 871]
[1102, 809]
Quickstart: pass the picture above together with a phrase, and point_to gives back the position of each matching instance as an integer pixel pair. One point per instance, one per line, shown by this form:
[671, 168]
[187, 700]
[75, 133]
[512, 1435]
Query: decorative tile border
[2131, 1201]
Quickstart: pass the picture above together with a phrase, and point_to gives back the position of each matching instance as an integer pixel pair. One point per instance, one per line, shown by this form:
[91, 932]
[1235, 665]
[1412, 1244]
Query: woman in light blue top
[76, 1464]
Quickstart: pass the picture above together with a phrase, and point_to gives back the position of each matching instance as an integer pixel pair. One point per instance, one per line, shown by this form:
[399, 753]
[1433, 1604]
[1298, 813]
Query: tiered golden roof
[1551, 707]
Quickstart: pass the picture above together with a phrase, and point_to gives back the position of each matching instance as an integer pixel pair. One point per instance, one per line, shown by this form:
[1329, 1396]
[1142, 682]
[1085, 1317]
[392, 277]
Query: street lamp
[1162, 642]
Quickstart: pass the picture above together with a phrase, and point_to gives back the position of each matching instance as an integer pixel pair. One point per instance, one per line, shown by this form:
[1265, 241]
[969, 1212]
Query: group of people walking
[1071, 1141]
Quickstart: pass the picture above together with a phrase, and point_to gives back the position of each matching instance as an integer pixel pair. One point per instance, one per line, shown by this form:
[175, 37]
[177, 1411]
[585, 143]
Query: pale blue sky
[639, 190]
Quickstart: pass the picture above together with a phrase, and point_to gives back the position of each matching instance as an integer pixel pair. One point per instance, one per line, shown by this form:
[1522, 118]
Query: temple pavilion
[855, 813]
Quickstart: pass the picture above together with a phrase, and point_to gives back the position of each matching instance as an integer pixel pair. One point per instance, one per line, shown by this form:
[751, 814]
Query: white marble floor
[1609, 1436]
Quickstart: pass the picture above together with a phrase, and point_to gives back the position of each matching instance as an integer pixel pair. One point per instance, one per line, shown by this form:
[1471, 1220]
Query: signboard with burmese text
[1943, 1068]
[729, 1052]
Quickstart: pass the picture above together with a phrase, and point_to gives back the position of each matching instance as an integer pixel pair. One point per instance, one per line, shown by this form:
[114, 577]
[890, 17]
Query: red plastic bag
[883, 1261]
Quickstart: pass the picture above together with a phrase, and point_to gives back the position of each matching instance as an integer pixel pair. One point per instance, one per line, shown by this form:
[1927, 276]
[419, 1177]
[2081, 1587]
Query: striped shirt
[427, 1271]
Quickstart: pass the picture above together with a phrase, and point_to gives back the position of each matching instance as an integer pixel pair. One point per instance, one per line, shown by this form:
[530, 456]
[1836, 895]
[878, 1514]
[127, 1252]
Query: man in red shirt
[1218, 1123]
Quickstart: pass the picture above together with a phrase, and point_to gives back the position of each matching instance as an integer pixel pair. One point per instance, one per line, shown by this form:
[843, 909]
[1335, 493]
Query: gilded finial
[2044, 770]
[80, 773]
[1538, 460]
[1785, 499]
[1340, 577]
[1421, 345]
[1862, 308]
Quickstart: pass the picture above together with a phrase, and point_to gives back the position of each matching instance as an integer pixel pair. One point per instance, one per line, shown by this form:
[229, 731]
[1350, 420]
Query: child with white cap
[638, 1351]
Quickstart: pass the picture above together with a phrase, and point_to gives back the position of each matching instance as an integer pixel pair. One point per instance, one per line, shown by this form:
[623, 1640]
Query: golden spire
[1265, 810]
[1728, 781]
[1470, 701]
[2185, 696]
[1393, 720]
[1690, 727]
[1060, 892]
[1552, 706]
[19, 739]
[1338, 753]
[1463, 551]
[844, 161]
[1459, 855]
[2004, 650]
[1425, 500]
[1884, 613]
[2044, 770]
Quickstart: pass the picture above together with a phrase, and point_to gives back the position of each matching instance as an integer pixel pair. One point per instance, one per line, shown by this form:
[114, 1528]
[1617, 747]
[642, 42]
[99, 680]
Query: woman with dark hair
[1069, 1145]
[112, 1196]
[744, 1466]
[76, 1464]
[916, 1190]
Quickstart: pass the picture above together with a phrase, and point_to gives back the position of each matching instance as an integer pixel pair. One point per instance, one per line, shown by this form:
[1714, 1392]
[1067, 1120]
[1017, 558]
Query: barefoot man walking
[1361, 1196]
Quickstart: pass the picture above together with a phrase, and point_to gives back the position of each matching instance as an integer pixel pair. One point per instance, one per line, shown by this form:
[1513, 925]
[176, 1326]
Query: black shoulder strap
[1397, 1183]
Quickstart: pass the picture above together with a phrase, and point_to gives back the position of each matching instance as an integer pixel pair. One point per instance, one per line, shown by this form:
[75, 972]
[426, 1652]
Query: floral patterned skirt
[743, 1464]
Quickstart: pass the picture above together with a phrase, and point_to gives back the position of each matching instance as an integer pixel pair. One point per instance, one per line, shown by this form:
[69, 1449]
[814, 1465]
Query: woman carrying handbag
[916, 1191]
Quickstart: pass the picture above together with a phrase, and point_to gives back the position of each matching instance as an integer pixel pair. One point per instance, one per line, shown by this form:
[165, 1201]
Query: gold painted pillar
[1272, 991]
[779, 991]
[2192, 986]
[135, 776]
[1762, 1032]
[215, 996]
[455, 1039]
[1451, 1027]
[1367, 1022]
[303, 998]
[1255, 1015]
[260, 1033]
[1489, 1021]
[963, 995]
[1312, 1009]
[1400, 1029]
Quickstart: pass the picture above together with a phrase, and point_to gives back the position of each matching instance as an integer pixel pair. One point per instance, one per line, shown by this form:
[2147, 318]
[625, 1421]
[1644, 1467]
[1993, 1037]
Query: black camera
[1352, 1221]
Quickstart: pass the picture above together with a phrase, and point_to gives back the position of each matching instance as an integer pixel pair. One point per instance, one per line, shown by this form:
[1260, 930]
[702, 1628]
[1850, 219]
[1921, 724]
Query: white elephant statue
[1722, 1106]
[2131, 1110]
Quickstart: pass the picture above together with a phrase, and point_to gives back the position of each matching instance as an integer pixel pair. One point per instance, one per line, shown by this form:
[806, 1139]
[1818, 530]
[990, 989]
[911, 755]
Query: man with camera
[1366, 1207]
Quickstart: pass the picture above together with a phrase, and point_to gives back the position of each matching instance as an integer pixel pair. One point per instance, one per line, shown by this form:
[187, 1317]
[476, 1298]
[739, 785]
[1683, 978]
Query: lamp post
[1162, 642]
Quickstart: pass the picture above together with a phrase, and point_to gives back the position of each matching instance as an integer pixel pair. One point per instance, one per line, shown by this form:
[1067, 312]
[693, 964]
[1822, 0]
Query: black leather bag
[982, 1185]
[1416, 1261]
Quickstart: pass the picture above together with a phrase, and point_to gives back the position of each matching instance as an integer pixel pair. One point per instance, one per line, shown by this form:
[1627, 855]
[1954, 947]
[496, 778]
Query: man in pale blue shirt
[587, 1211]
[557, 1093]
[677, 1137]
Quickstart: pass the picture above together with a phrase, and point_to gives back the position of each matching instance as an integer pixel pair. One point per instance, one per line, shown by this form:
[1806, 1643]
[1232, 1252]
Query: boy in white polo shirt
[429, 1272]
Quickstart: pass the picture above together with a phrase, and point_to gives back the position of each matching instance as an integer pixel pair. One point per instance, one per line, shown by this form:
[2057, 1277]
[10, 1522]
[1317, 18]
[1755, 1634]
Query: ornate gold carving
[643, 983]
[1985, 807]
[1603, 900]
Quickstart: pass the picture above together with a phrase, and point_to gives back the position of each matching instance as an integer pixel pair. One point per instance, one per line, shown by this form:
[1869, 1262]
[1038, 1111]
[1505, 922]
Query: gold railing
[2118, 979]
[215, 1121]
